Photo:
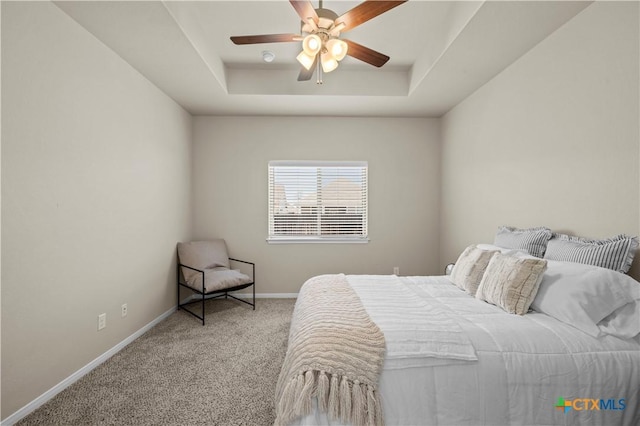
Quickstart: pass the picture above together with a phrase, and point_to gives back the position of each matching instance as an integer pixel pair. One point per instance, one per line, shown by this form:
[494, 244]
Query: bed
[452, 359]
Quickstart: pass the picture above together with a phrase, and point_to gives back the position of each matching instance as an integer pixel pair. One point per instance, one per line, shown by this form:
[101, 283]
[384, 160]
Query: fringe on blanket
[348, 401]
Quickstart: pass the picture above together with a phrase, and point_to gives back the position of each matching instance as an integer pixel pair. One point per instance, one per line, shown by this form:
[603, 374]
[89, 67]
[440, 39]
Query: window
[312, 201]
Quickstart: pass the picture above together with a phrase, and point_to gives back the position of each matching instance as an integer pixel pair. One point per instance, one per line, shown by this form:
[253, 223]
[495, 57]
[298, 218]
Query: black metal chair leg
[178, 287]
[203, 309]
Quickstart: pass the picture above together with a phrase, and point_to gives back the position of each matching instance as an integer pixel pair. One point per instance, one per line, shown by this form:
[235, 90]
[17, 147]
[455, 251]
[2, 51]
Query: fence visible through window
[318, 200]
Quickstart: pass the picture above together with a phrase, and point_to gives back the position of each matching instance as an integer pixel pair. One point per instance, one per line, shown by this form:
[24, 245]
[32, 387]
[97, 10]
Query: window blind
[321, 201]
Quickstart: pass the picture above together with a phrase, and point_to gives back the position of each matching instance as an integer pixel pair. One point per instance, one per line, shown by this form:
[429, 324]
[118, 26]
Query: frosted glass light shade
[311, 44]
[306, 60]
[337, 48]
[329, 63]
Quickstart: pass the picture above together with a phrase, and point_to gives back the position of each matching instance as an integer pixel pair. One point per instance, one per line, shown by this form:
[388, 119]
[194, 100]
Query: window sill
[317, 240]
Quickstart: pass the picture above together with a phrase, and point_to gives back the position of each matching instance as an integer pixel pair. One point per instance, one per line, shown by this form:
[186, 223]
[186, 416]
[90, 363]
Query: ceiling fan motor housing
[326, 19]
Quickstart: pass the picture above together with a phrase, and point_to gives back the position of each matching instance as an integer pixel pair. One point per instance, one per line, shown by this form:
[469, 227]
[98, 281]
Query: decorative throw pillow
[615, 253]
[533, 240]
[511, 282]
[469, 268]
[202, 255]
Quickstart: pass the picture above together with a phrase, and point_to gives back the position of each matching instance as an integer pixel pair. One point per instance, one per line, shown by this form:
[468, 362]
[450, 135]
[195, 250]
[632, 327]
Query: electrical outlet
[124, 310]
[396, 270]
[102, 321]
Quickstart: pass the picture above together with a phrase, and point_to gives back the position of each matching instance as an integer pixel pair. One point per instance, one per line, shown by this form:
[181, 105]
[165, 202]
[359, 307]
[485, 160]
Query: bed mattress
[530, 369]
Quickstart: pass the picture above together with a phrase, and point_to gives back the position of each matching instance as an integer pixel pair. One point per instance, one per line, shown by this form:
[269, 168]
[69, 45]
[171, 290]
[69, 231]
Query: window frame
[361, 238]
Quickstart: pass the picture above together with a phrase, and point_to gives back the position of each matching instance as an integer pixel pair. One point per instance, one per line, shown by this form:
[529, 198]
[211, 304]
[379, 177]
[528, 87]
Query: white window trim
[316, 239]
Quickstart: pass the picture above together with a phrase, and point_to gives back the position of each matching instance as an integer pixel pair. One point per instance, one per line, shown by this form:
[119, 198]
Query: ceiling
[441, 52]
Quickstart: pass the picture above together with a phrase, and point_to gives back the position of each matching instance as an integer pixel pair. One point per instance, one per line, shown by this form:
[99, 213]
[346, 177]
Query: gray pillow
[532, 240]
[218, 279]
[202, 255]
[615, 253]
[511, 282]
[469, 268]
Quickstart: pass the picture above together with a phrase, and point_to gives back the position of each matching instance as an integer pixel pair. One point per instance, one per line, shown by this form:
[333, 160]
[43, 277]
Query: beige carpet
[181, 373]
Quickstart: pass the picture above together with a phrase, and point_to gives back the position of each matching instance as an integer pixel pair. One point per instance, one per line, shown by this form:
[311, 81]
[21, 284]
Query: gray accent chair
[204, 268]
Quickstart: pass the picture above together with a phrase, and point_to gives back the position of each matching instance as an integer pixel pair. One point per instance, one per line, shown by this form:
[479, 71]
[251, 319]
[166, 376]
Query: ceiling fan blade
[265, 38]
[305, 9]
[306, 74]
[365, 54]
[365, 11]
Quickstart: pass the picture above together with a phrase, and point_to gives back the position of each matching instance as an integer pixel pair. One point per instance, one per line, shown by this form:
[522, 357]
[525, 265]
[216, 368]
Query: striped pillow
[533, 240]
[615, 253]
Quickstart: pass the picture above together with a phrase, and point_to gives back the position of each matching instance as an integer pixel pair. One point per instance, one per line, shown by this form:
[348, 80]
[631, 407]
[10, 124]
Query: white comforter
[524, 363]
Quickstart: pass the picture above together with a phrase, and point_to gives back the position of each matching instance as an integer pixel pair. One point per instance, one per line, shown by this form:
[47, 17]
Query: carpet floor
[181, 373]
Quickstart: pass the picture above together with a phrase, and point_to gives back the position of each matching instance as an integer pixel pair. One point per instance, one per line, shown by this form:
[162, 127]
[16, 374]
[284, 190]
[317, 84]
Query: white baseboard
[36, 403]
[268, 295]
[195, 297]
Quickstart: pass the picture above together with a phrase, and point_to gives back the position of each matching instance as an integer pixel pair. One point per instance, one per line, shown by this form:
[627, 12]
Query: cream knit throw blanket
[335, 353]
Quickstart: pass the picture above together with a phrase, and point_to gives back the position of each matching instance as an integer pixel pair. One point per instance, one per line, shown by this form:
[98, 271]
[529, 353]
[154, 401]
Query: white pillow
[595, 300]
[623, 322]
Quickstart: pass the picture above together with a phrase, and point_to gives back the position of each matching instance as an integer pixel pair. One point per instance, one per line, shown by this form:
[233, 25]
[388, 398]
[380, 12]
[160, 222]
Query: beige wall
[97, 179]
[95, 194]
[553, 140]
[230, 192]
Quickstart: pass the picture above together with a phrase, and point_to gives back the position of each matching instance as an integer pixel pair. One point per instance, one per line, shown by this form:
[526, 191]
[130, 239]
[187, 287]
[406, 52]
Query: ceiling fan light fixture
[337, 48]
[325, 21]
[320, 31]
[311, 44]
[312, 24]
[335, 29]
[306, 60]
[329, 63]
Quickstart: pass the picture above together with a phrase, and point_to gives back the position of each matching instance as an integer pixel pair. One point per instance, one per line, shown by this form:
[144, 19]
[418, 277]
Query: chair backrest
[203, 255]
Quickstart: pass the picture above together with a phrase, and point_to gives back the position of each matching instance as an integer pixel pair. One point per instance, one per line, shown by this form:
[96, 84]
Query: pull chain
[319, 73]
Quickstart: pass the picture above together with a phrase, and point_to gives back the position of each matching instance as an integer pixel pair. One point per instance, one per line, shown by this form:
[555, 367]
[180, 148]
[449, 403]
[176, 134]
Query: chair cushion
[216, 279]
[202, 255]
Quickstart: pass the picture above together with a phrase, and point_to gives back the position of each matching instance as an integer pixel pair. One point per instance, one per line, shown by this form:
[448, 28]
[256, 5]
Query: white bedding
[417, 330]
[524, 364]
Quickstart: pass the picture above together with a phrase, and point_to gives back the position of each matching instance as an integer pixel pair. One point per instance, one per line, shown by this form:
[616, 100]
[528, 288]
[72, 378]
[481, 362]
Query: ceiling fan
[322, 47]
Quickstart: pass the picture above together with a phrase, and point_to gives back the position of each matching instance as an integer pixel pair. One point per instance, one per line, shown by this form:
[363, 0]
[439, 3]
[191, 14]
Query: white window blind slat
[318, 200]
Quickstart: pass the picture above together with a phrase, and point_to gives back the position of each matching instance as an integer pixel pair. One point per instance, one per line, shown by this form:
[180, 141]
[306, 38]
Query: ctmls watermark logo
[589, 404]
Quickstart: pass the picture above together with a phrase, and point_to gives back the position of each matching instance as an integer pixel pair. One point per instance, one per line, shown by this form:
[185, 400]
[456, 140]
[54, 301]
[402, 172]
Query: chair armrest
[181, 265]
[253, 267]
